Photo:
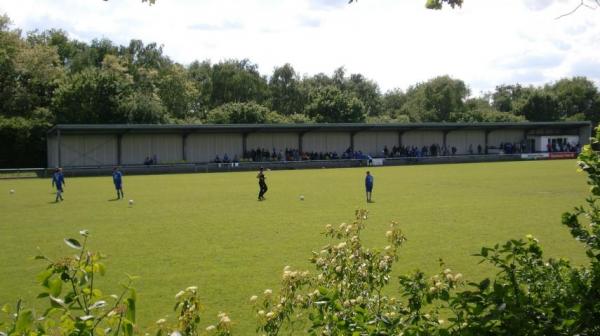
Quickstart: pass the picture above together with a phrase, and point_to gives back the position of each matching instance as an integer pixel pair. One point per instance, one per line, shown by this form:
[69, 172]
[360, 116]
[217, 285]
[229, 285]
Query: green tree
[330, 104]
[285, 95]
[576, 96]
[93, 95]
[480, 110]
[177, 92]
[237, 81]
[392, 102]
[243, 113]
[540, 105]
[367, 91]
[435, 99]
[200, 74]
[506, 98]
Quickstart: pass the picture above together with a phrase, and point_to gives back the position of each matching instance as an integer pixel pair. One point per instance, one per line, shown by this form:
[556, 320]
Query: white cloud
[396, 43]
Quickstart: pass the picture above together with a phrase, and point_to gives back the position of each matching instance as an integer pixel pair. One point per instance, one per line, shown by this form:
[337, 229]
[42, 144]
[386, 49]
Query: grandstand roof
[352, 127]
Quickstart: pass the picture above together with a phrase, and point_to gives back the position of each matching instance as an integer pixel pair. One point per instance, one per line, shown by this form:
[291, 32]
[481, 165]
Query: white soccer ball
[302, 197]
[130, 202]
[12, 191]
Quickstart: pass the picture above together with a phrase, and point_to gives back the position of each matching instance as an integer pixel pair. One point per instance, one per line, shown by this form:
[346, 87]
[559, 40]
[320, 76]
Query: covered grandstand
[133, 144]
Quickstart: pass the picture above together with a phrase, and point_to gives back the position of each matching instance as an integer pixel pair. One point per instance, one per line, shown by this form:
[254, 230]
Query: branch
[583, 3]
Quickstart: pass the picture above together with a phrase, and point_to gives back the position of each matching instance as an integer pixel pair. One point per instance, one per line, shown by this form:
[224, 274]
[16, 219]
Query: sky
[396, 43]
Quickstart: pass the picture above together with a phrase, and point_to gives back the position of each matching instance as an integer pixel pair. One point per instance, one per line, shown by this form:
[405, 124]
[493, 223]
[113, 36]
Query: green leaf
[55, 286]
[483, 285]
[127, 328]
[43, 276]
[24, 322]
[7, 309]
[130, 314]
[73, 243]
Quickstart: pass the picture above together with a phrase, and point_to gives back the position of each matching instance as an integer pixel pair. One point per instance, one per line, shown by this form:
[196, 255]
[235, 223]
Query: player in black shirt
[261, 184]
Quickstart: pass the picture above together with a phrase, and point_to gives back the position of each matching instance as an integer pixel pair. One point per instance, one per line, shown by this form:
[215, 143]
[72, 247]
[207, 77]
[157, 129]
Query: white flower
[161, 321]
[389, 234]
[270, 315]
[178, 295]
[261, 313]
[341, 245]
[225, 320]
[253, 298]
[268, 292]
[210, 328]
[192, 289]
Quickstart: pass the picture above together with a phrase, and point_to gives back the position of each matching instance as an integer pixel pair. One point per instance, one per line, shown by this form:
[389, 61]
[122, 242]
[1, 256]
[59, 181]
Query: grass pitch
[209, 230]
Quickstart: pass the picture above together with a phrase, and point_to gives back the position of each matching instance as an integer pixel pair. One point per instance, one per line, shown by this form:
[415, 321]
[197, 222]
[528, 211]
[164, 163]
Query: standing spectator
[369, 186]
[261, 184]
[117, 176]
[58, 180]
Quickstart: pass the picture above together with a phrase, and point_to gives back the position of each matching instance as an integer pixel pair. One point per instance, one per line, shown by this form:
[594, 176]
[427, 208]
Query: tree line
[48, 78]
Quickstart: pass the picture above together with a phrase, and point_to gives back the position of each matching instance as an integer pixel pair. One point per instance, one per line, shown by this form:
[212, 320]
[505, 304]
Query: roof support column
[352, 134]
[300, 142]
[445, 137]
[487, 135]
[244, 144]
[400, 135]
[184, 137]
[119, 149]
[59, 145]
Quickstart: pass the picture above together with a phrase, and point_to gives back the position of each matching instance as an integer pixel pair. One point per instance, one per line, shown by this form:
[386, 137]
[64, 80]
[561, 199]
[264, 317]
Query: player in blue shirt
[118, 181]
[369, 186]
[58, 181]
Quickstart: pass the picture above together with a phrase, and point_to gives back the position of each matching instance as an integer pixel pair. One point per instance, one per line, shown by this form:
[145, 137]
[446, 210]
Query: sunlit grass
[209, 230]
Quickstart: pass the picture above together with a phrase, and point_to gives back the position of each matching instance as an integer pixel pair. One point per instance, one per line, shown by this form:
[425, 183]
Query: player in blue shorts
[118, 181]
[369, 186]
[58, 181]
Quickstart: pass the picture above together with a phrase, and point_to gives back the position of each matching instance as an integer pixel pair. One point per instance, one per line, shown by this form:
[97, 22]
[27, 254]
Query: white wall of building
[83, 150]
[204, 147]
[326, 142]
[373, 143]
[461, 139]
[422, 138]
[495, 138]
[268, 141]
[166, 147]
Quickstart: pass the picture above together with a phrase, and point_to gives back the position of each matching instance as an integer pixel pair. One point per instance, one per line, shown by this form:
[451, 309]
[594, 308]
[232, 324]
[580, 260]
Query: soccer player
[118, 181]
[58, 181]
[369, 186]
[261, 184]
